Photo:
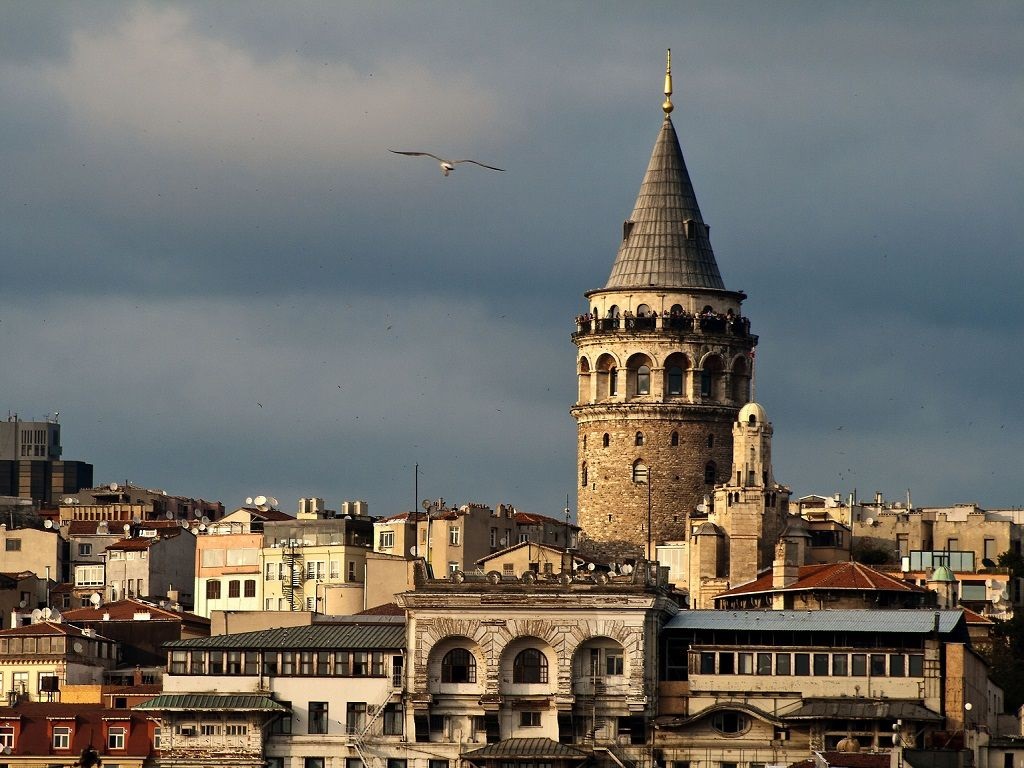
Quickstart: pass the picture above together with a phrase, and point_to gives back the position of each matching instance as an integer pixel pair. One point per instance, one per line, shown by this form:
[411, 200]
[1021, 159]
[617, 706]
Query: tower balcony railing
[706, 323]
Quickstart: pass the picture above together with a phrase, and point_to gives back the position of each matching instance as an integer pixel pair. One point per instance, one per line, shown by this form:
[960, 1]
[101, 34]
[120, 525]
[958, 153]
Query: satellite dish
[183, 523]
[37, 615]
[426, 503]
[627, 569]
[68, 500]
[702, 508]
[591, 566]
[259, 501]
[22, 604]
[47, 613]
[95, 598]
[202, 526]
[127, 528]
[272, 501]
[869, 521]
[7, 750]
[413, 550]
[494, 577]
[136, 519]
[198, 513]
[48, 524]
[113, 486]
[987, 562]
[204, 520]
[248, 501]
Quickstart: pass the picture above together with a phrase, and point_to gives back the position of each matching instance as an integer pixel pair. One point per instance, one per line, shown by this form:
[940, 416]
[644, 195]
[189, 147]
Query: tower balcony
[707, 324]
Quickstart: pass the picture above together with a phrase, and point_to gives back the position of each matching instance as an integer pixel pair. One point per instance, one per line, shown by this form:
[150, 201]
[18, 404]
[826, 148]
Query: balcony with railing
[706, 323]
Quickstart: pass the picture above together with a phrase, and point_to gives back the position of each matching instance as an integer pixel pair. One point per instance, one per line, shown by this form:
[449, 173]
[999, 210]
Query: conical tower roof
[665, 242]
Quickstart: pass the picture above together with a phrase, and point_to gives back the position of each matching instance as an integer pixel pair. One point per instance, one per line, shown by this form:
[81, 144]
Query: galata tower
[664, 363]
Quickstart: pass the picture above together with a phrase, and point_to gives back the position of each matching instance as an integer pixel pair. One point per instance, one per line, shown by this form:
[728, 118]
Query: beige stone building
[664, 363]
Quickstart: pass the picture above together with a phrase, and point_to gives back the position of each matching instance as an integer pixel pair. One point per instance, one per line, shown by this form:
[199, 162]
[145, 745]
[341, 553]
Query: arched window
[583, 475]
[613, 381]
[458, 666]
[530, 666]
[643, 380]
[605, 440]
[709, 473]
[639, 439]
[730, 722]
[639, 472]
[675, 438]
[711, 441]
[675, 380]
[752, 420]
[584, 441]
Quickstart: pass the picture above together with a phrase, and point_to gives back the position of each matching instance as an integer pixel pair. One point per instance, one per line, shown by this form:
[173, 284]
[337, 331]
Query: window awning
[526, 749]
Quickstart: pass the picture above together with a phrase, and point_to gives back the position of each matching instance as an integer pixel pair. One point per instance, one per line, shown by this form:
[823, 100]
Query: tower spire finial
[667, 104]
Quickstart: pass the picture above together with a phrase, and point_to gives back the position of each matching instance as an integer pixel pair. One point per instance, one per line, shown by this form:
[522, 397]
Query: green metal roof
[873, 620]
[197, 702]
[536, 748]
[312, 637]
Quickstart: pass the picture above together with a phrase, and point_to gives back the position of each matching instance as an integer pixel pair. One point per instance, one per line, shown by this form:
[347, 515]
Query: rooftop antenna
[667, 104]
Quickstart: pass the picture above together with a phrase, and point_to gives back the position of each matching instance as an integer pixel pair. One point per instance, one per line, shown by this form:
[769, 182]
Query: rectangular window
[157, 737]
[858, 665]
[341, 664]
[351, 570]
[377, 664]
[453, 536]
[897, 665]
[318, 717]
[335, 570]
[494, 543]
[353, 762]
[7, 736]
[287, 662]
[915, 665]
[197, 662]
[453, 566]
[115, 737]
[840, 665]
[306, 663]
[269, 664]
[213, 589]
[726, 663]
[84, 550]
[323, 663]
[529, 719]
[271, 574]
[234, 588]
[394, 717]
[444, 764]
[878, 665]
[989, 552]
[61, 737]
[212, 558]
[764, 663]
[283, 724]
[14, 545]
[315, 569]
[179, 662]
[395, 762]
[313, 762]
[613, 664]
[387, 539]
[782, 664]
[707, 663]
[802, 664]
[236, 729]
[250, 587]
[821, 665]
[216, 662]
[746, 663]
[355, 716]
[250, 662]
[360, 664]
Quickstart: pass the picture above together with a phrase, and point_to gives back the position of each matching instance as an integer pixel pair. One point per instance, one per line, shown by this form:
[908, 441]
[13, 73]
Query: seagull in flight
[447, 166]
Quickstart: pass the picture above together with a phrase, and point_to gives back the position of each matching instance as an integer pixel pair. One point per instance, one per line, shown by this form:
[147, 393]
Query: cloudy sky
[215, 271]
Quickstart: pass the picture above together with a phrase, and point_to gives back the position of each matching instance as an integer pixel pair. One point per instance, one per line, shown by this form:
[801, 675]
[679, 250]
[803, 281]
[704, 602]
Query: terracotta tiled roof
[975, 618]
[832, 576]
[388, 609]
[531, 518]
[88, 527]
[43, 628]
[125, 610]
[88, 723]
[404, 517]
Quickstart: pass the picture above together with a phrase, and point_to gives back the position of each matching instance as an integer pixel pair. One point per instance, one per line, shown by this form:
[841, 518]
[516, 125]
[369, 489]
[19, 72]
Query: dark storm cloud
[199, 214]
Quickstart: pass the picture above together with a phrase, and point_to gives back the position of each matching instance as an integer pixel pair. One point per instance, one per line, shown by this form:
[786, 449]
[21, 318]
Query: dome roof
[755, 410]
[942, 573]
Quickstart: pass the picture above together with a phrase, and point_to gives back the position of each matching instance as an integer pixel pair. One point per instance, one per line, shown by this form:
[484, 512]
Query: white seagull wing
[474, 162]
[418, 154]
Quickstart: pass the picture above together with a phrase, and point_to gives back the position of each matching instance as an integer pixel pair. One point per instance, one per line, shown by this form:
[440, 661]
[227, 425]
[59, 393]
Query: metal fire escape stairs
[358, 741]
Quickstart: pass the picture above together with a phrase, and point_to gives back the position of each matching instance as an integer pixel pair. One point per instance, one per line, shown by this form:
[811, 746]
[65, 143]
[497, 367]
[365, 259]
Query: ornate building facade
[664, 364]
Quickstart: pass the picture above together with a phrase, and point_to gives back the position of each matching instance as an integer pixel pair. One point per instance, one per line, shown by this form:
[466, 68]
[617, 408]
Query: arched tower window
[709, 473]
[710, 377]
[643, 380]
[584, 381]
[583, 475]
[740, 381]
[458, 666]
[613, 381]
[530, 666]
[584, 442]
[605, 440]
[675, 439]
[752, 420]
[676, 365]
[711, 440]
[639, 472]
[639, 439]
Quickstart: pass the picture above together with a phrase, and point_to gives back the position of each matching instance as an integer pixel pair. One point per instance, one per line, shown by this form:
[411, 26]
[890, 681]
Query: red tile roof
[832, 576]
[125, 610]
[531, 518]
[388, 609]
[43, 628]
[32, 721]
[974, 618]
